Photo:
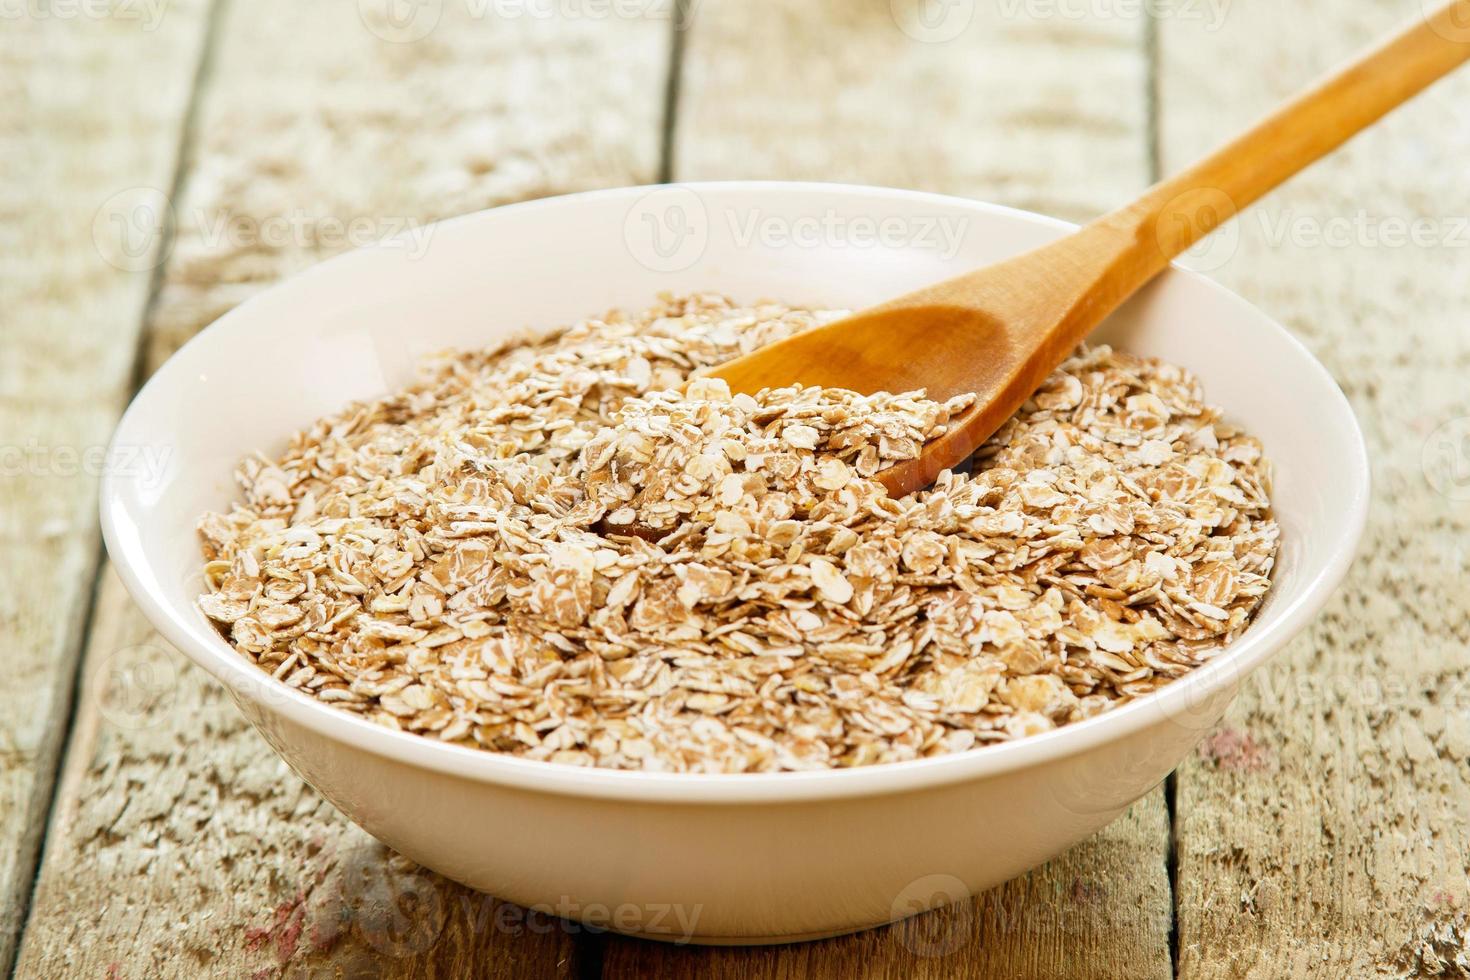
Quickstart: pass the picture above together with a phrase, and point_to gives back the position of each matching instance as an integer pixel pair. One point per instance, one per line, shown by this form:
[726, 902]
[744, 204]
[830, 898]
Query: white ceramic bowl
[721, 859]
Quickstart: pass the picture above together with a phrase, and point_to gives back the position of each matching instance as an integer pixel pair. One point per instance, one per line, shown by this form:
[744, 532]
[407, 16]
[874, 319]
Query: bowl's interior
[354, 327]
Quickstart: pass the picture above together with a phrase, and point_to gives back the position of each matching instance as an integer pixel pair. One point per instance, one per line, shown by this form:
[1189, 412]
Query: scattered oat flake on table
[456, 559]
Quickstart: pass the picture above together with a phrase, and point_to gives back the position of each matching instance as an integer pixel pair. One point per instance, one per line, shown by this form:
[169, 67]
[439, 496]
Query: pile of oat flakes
[451, 560]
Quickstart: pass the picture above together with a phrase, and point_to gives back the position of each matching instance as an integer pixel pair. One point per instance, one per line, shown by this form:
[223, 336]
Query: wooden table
[146, 831]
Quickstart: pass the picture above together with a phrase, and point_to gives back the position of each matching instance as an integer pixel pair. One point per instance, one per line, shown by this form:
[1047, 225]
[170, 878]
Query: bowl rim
[1174, 700]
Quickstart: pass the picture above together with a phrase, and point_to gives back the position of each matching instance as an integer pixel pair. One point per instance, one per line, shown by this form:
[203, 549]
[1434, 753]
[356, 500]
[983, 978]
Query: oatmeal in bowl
[552, 618]
[459, 559]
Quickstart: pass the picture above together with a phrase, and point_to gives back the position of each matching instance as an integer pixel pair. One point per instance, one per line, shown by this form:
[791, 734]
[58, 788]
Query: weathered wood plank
[1323, 830]
[180, 845]
[844, 90]
[90, 104]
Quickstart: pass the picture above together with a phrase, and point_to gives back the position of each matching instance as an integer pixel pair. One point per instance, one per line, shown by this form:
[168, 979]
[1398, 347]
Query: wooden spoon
[999, 331]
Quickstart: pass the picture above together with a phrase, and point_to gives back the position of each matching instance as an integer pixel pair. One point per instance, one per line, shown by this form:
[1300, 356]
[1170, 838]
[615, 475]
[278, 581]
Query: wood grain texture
[845, 90]
[89, 106]
[1323, 831]
[838, 90]
[180, 845]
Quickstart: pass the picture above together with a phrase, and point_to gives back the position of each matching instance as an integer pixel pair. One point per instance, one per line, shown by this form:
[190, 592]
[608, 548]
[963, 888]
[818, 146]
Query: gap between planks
[1152, 136]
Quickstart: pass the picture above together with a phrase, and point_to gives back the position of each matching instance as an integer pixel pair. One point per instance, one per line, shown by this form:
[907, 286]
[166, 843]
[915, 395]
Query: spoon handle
[1177, 212]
